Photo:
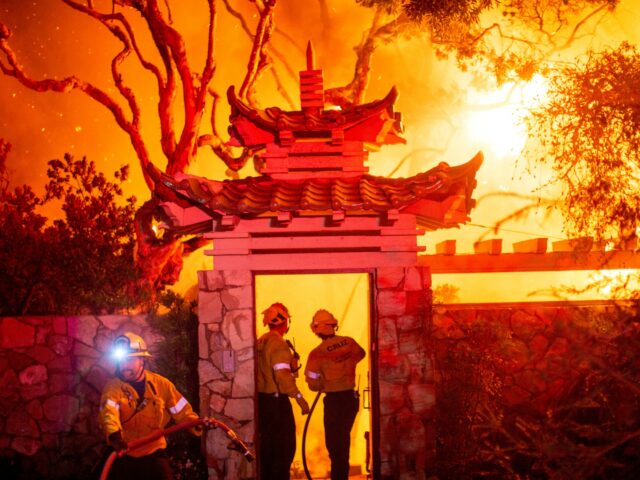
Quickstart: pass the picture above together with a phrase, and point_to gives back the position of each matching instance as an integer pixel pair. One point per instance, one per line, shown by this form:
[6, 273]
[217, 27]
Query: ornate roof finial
[311, 56]
[311, 85]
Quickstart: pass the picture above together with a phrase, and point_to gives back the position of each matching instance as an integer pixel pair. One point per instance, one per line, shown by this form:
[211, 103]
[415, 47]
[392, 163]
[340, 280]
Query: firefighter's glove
[197, 430]
[118, 444]
[304, 406]
[209, 422]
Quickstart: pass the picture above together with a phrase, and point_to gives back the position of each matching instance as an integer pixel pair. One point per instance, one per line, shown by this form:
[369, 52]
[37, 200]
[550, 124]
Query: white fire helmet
[129, 345]
[324, 323]
[276, 315]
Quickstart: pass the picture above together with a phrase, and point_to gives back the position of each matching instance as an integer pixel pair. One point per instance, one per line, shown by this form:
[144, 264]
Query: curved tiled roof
[374, 122]
[264, 195]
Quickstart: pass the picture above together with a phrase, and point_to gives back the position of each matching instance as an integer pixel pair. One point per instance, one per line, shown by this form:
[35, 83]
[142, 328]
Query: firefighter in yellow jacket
[136, 403]
[276, 383]
[331, 368]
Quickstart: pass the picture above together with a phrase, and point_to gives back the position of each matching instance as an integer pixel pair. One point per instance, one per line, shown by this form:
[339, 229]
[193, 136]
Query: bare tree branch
[353, 93]
[218, 146]
[258, 59]
[282, 58]
[14, 69]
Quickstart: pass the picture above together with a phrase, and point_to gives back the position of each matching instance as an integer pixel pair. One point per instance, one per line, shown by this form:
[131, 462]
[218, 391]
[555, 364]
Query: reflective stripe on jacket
[331, 366]
[120, 410]
[274, 365]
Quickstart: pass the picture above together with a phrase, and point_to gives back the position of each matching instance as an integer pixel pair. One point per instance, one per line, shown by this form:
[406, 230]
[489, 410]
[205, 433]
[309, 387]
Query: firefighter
[331, 368]
[276, 383]
[135, 403]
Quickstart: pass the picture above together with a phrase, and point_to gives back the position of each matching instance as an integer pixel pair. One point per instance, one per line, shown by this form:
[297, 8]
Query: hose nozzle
[239, 445]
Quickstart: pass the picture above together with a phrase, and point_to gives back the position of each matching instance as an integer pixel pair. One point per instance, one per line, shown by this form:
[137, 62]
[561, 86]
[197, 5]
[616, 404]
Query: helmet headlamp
[128, 345]
[121, 348]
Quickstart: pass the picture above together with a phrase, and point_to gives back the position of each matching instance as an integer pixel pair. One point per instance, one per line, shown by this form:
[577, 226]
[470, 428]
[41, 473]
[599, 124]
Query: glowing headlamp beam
[119, 353]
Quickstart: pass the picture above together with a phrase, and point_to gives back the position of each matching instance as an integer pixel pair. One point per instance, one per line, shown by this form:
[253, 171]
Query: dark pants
[277, 435]
[340, 410]
[154, 466]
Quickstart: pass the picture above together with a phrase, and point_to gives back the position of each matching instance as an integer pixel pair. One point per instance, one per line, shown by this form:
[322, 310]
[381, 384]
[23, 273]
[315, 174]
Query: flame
[158, 228]
[495, 117]
[615, 283]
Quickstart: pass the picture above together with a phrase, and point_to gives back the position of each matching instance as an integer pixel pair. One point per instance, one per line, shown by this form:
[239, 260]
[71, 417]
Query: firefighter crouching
[276, 383]
[331, 368]
[136, 403]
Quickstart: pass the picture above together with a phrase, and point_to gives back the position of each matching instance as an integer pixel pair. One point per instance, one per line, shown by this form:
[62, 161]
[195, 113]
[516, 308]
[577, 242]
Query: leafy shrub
[81, 261]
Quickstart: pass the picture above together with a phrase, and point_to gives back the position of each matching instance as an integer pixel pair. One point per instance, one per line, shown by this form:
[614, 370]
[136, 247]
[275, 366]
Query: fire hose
[237, 443]
[304, 437]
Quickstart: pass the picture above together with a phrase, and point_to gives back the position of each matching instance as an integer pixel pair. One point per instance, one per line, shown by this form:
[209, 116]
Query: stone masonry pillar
[226, 336]
[405, 372]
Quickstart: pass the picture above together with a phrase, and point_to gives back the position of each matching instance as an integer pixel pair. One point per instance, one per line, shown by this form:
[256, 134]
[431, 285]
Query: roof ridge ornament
[311, 86]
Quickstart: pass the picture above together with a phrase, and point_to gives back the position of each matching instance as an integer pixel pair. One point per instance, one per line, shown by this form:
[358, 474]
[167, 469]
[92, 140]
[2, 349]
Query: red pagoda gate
[315, 209]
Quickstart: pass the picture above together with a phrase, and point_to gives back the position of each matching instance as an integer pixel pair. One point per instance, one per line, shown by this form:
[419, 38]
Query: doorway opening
[347, 297]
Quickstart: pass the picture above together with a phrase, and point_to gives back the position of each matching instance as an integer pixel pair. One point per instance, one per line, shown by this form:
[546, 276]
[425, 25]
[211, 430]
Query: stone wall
[534, 346]
[52, 371]
[536, 390]
[226, 368]
[405, 372]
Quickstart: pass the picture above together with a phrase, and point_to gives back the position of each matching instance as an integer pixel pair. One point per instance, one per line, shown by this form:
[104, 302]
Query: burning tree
[515, 39]
[590, 134]
[159, 258]
[501, 41]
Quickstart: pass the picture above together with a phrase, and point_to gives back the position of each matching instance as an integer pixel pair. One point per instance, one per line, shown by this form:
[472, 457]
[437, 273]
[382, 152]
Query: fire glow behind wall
[347, 297]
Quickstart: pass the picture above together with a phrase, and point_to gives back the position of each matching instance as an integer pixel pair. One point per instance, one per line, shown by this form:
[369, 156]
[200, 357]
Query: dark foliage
[500, 41]
[463, 10]
[584, 423]
[81, 262]
[176, 320]
[589, 130]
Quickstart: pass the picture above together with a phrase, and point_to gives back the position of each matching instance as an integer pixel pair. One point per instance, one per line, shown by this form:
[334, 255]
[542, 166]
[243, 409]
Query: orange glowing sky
[445, 118]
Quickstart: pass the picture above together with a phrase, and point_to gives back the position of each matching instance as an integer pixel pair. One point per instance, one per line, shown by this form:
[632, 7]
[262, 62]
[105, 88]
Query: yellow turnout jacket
[331, 366]
[120, 409]
[274, 365]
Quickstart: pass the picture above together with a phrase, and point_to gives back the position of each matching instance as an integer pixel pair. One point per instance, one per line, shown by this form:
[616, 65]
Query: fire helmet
[324, 323]
[276, 315]
[129, 345]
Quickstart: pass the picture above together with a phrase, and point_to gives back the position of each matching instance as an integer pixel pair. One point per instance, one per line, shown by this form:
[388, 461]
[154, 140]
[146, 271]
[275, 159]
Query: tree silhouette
[511, 40]
[179, 87]
[589, 129]
[80, 263]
